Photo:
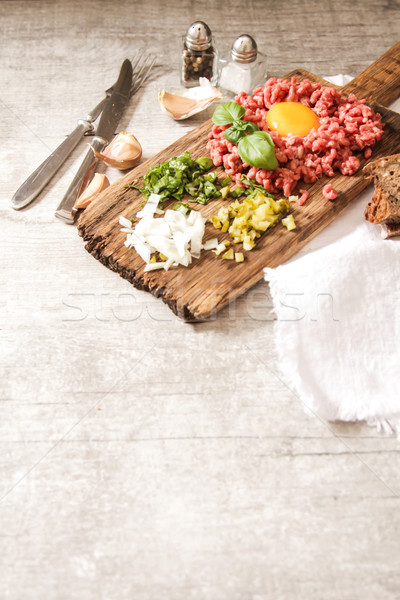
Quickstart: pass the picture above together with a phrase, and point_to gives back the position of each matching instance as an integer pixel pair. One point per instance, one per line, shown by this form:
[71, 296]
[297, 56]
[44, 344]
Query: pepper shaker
[244, 69]
[199, 55]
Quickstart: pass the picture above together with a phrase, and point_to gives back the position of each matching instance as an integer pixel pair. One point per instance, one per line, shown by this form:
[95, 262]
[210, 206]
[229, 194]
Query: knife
[42, 175]
[105, 130]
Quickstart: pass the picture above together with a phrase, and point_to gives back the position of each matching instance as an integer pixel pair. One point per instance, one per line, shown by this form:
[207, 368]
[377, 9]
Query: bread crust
[385, 173]
[384, 161]
[384, 206]
[389, 230]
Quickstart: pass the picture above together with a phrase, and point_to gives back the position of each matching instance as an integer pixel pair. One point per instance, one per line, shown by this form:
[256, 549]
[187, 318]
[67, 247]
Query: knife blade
[109, 119]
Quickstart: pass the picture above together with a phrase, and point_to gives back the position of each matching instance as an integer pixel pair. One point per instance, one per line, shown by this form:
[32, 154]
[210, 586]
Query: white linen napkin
[337, 332]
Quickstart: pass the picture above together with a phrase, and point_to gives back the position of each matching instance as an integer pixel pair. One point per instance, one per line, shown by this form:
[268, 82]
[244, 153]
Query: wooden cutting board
[210, 283]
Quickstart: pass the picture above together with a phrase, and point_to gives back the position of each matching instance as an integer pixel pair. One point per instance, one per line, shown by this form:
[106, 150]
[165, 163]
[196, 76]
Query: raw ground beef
[328, 192]
[347, 125]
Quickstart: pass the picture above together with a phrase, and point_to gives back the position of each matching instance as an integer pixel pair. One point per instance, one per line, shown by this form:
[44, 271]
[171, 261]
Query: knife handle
[80, 182]
[39, 178]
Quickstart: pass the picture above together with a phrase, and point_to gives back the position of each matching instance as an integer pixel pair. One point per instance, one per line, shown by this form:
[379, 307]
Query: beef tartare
[346, 125]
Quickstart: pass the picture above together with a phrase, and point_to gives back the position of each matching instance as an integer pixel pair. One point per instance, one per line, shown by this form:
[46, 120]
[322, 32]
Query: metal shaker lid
[244, 49]
[198, 36]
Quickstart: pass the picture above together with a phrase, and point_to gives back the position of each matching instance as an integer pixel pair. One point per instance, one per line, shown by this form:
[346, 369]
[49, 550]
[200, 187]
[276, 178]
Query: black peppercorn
[199, 57]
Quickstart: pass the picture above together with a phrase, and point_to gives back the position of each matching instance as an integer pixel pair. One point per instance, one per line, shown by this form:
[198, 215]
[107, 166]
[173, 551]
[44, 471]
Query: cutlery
[104, 132]
[35, 183]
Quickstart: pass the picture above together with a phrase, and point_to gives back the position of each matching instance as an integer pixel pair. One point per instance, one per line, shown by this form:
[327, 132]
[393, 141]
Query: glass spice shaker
[244, 69]
[199, 55]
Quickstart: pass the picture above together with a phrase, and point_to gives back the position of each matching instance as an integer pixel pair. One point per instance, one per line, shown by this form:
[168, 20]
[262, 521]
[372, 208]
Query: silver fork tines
[141, 70]
[141, 67]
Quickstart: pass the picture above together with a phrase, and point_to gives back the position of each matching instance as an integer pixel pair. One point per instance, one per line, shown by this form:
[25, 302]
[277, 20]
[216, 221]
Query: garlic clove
[177, 107]
[183, 105]
[123, 152]
[97, 185]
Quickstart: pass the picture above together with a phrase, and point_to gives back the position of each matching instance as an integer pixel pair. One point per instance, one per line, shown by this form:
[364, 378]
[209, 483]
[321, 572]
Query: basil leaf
[233, 135]
[238, 130]
[250, 126]
[258, 150]
[228, 113]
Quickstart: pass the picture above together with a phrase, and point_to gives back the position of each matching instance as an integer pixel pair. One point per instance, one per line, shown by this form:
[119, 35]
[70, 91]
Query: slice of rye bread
[385, 172]
[389, 230]
[384, 206]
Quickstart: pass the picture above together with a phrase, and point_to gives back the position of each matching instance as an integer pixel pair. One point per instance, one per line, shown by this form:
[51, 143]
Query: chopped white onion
[143, 250]
[192, 216]
[150, 207]
[168, 264]
[177, 236]
[154, 266]
[125, 222]
[196, 241]
[210, 244]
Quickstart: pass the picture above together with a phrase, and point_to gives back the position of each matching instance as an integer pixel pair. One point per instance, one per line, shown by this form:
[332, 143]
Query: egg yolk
[291, 117]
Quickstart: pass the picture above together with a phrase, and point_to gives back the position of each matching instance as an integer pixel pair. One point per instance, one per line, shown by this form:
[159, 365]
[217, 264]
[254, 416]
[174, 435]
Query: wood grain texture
[210, 283]
[141, 457]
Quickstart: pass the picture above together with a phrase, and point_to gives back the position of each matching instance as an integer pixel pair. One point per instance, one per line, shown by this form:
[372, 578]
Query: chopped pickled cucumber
[225, 225]
[247, 220]
[229, 254]
[216, 222]
[248, 244]
[224, 191]
[221, 247]
[289, 223]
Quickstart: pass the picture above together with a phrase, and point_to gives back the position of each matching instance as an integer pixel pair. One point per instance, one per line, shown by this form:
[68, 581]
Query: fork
[141, 66]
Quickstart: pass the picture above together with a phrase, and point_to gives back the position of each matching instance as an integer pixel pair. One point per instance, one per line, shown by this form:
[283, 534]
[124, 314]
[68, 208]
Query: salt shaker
[199, 55]
[244, 69]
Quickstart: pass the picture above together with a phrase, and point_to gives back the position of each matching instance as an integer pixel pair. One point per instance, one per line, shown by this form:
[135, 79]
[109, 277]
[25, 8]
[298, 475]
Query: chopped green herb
[132, 187]
[180, 175]
[211, 177]
[238, 192]
[252, 187]
[205, 162]
[181, 207]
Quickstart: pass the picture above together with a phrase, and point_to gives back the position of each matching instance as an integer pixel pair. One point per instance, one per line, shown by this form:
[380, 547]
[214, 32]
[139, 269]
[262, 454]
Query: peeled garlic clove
[122, 153]
[189, 102]
[97, 185]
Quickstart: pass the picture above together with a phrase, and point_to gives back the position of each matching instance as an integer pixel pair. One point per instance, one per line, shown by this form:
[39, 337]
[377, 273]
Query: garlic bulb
[189, 102]
[97, 185]
[122, 153]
